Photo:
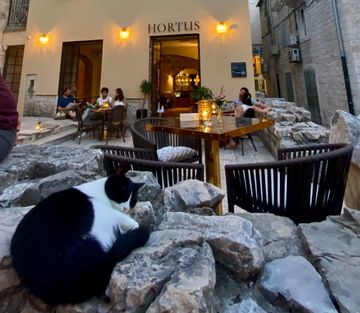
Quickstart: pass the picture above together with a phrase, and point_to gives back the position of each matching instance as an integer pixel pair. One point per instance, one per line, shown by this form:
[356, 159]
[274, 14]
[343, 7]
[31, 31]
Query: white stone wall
[4, 12]
[319, 51]
[349, 11]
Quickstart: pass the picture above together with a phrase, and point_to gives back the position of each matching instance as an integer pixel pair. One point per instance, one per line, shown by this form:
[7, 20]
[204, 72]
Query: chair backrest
[142, 138]
[167, 174]
[305, 189]
[249, 113]
[135, 153]
[118, 114]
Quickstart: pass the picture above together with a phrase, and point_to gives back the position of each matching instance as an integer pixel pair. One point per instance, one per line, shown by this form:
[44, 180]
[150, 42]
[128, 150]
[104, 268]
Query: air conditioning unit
[295, 56]
[292, 40]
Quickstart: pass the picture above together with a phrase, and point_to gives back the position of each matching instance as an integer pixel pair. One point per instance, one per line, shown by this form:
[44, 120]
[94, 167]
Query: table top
[230, 127]
[109, 108]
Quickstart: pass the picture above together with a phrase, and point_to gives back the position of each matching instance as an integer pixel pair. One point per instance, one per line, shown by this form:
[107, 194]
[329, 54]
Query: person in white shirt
[119, 98]
[245, 102]
[105, 98]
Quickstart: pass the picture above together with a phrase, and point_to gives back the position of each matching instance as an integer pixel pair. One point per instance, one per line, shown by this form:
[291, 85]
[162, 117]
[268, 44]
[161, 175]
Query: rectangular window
[289, 87]
[303, 31]
[13, 66]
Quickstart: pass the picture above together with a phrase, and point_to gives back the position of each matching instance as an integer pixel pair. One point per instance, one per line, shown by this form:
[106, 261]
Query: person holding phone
[9, 119]
[245, 102]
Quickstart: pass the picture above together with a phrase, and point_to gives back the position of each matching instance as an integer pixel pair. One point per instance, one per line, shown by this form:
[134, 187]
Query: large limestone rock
[149, 192]
[234, 240]
[280, 236]
[334, 245]
[295, 280]
[345, 128]
[31, 192]
[27, 163]
[246, 306]
[174, 272]
[190, 194]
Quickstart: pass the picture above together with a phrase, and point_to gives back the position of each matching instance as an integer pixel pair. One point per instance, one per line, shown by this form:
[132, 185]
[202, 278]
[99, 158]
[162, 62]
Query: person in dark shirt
[66, 103]
[9, 119]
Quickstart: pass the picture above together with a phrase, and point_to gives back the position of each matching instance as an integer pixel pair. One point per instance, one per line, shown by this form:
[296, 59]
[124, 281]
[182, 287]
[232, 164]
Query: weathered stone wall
[319, 52]
[44, 106]
[4, 12]
[293, 127]
[133, 105]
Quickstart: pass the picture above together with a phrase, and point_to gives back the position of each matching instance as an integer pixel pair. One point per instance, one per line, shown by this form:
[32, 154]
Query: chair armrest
[298, 152]
[137, 153]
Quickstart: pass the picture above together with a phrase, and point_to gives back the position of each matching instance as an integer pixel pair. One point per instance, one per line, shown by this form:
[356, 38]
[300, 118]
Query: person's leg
[7, 139]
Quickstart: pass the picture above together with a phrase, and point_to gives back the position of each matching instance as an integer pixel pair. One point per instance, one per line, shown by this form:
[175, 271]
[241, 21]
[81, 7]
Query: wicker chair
[85, 126]
[135, 153]
[249, 113]
[155, 140]
[117, 122]
[306, 185]
[167, 174]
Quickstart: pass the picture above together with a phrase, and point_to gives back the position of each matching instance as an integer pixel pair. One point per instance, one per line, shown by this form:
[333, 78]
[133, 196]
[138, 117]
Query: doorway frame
[152, 40]
[77, 43]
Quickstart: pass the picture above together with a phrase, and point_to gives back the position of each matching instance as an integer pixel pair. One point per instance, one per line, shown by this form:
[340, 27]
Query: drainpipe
[343, 59]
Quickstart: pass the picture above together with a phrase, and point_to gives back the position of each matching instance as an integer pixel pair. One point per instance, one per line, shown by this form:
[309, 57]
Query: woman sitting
[244, 102]
[119, 98]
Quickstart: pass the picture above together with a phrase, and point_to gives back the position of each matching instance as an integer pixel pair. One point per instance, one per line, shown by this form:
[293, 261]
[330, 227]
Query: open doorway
[81, 69]
[175, 71]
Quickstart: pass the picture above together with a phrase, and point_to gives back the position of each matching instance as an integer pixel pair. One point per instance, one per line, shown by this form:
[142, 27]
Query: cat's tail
[125, 243]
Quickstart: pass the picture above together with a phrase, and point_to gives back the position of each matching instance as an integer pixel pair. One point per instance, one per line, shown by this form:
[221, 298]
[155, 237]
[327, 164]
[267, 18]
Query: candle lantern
[204, 110]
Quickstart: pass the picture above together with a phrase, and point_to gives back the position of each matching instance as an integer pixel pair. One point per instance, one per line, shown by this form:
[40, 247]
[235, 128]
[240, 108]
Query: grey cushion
[175, 154]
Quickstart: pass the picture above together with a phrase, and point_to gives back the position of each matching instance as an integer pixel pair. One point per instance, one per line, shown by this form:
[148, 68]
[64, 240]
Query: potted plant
[146, 88]
[203, 96]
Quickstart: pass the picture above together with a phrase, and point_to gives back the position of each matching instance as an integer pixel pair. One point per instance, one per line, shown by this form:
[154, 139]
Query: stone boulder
[190, 194]
[31, 162]
[174, 272]
[149, 192]
[143, 213]
[31, 192]
[280, 235]
[234, 240]
[345, 128]
[334, 245]
[294, 280]
[246, 306]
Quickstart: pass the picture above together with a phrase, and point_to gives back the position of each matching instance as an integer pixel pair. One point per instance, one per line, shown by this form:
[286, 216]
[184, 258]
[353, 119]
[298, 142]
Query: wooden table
[104, 112]
[231, 127]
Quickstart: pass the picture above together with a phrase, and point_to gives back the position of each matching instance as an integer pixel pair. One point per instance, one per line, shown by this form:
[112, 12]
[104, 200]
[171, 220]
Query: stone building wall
[319, 51]
[4, 12]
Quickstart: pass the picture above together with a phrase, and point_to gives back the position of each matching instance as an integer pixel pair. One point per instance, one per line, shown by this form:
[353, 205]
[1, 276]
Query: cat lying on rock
[65, 248]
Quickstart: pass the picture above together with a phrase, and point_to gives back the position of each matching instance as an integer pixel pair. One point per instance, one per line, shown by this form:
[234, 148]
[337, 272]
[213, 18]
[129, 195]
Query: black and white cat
[65, 248]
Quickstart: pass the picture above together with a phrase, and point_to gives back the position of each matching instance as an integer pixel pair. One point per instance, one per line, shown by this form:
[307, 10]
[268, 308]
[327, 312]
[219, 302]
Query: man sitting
[66, 104]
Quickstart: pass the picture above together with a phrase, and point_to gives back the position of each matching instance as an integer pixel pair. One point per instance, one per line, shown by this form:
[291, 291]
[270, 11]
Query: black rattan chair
[135, 153]
[306, 185]
[154, 140]
[249, 113]
[117, 122]
[167, 174]
[85, 126]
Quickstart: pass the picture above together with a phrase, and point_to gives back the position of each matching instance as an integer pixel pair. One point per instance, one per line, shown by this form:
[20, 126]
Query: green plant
[146, 88]
[202, 93]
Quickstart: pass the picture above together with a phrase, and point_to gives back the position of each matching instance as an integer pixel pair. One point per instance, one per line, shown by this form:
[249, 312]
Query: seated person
[119, 98]
[104, 98]
[66, 103]
[245, 102]
[8, 119]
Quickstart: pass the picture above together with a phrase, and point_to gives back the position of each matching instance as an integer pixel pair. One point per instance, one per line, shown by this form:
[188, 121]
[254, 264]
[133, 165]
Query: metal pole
[343, 59]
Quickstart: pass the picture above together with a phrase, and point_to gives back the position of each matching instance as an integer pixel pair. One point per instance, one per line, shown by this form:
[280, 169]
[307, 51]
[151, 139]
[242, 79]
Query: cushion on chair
[175, 154]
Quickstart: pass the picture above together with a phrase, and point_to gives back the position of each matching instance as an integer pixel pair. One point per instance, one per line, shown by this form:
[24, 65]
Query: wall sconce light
[44, 39]
[221, 28]
[124, 34]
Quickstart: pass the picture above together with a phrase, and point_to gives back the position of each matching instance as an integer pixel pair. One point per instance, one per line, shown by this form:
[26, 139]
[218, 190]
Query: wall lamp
[221, 28]
[44, 39]
[124, 34]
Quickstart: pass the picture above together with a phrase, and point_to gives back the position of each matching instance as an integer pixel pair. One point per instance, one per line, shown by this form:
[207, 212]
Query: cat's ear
[121, 171]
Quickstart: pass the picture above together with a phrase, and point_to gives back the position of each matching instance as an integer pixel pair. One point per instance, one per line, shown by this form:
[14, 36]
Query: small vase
[219, 116]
